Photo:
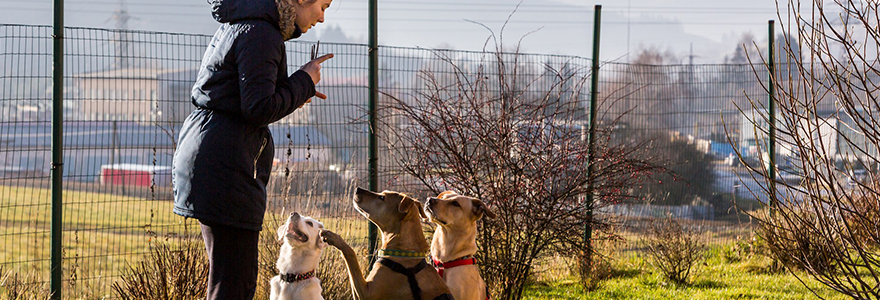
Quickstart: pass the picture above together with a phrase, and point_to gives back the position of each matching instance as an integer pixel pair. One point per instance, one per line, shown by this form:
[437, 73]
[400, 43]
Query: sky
[712, 28]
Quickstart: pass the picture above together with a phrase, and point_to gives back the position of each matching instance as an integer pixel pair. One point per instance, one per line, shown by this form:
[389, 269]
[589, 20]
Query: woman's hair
[287, 17]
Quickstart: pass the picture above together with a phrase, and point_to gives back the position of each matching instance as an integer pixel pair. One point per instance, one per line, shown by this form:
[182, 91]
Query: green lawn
[104, 232]
[635, 278]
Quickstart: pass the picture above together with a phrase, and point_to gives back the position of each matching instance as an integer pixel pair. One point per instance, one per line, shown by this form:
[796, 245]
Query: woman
[225, 151]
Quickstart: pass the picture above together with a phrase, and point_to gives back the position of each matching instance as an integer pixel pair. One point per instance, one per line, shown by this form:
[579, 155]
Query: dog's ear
[404, 204]
[480, 209]
[407, 203]
[421, 209]
[445, 194]
[282, 231]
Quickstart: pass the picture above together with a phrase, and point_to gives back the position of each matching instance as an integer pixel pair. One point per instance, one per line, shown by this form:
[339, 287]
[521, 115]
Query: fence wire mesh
[127, 93]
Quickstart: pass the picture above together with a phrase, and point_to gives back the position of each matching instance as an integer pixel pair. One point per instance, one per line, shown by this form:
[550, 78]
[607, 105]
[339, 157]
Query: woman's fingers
[314, 67]
[323, 58]
[320, 95]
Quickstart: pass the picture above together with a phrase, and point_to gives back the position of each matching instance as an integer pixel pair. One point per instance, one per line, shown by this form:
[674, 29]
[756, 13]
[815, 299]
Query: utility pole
[121, 37]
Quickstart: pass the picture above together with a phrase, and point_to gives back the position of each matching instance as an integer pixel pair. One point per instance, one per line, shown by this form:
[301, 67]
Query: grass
[104, 233]
[635, 278]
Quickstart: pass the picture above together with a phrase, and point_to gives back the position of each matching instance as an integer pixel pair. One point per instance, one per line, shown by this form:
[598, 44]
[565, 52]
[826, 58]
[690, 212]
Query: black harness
[410, 274]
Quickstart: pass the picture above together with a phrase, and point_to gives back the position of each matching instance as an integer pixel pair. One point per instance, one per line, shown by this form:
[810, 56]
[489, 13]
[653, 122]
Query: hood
[289, 29]
[279, 13]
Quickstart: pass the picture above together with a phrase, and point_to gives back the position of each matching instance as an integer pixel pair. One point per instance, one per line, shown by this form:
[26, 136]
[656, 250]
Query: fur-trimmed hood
[279, 13]
[286, 23]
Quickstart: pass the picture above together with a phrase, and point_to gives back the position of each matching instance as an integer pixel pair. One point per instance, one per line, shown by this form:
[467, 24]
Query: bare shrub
[514, 135]
[864, 215]
[674, 249]
[15, 286]
[600, 267]
[172, 271]
[796, 239]
[744, 249]
[827, 99]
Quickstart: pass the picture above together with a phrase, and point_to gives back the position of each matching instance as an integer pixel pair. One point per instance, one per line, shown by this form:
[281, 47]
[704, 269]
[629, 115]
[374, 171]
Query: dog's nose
[431, 200]
[294, 215]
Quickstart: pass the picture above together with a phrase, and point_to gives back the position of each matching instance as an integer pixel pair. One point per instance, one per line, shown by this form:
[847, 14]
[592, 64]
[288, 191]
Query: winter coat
[225, 151]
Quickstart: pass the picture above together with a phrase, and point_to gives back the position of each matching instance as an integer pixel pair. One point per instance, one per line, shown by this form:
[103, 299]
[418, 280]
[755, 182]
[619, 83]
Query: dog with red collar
[400, 272]
[455, 242]
[297, 260]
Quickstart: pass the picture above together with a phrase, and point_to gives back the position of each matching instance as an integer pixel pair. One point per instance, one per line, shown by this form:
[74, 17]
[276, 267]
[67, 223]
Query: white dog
[455, 243]
[298, 259]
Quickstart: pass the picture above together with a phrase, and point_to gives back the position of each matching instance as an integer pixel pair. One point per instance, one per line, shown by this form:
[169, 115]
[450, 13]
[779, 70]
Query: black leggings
[233, 257]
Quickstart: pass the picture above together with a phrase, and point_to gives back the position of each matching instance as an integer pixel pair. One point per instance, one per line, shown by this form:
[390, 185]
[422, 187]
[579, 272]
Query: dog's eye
[456, 204]
[310, 223]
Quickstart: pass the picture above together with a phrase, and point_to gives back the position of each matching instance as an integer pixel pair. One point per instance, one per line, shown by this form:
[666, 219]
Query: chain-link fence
[127, 93]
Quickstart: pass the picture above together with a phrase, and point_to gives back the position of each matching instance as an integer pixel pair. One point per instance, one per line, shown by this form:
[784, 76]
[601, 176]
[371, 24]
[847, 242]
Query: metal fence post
[57, 170]
[372, 231]
[771, 57]
[594, 89]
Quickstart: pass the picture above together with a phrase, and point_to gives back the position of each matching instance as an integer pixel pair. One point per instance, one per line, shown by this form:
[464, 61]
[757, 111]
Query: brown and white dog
[455, 242]
[400, 272]
[297, 260]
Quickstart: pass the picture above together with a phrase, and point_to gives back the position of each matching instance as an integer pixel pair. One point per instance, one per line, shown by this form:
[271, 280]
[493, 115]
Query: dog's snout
[431, 201]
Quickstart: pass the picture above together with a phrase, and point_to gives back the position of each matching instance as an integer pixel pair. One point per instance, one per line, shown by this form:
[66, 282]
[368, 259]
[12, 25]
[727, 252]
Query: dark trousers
[233, 257]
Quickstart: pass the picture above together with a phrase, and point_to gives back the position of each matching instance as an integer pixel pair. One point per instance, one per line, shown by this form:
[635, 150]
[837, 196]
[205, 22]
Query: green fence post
[372, 231]
[771, 58]
[57, 170]
[594, 90]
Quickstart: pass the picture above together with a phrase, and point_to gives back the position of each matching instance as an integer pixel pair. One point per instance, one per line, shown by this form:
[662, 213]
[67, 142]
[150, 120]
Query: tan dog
[401, 271]
[297, 260]
[455, 243]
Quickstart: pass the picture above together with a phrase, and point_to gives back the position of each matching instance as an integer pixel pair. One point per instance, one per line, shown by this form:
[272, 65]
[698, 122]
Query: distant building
[832, 132]
[141, 95]
[91, 147]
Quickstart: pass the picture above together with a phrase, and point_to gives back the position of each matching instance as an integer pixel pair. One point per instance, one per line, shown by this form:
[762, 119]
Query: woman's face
[309, 13]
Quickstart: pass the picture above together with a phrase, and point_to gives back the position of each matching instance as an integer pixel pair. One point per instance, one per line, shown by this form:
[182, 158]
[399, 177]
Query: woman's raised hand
[314, 69]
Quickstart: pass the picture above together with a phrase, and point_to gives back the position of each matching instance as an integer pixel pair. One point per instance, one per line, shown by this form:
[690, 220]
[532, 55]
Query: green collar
[402, 253]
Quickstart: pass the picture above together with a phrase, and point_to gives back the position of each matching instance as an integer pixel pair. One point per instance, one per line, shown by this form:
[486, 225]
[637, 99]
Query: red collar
[464, 261]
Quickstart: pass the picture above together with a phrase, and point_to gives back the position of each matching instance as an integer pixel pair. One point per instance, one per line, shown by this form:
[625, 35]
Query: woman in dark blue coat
[225, 151]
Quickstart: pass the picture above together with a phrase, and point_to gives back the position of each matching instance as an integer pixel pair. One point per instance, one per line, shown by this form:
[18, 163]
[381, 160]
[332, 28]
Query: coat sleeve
[259, 53]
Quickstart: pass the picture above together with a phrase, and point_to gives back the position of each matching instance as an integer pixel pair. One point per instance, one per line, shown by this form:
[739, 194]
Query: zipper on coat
[263, 146]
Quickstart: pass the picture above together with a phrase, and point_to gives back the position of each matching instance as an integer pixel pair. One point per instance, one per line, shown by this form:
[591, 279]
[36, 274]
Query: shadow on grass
[708, 284]
[625, 274]
[566, 290]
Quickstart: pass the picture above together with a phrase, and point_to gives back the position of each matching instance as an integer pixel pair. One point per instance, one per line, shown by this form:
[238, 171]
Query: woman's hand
[314, 69]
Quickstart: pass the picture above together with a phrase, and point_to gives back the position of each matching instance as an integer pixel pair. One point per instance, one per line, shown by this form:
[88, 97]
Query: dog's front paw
[333, 239]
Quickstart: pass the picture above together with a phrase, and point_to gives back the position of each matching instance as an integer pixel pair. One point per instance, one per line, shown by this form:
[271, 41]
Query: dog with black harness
[401, 271]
